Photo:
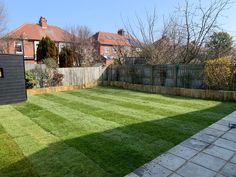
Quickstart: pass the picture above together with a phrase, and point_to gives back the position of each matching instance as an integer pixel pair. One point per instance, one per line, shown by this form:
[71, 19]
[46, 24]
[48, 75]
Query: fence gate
[12, 79]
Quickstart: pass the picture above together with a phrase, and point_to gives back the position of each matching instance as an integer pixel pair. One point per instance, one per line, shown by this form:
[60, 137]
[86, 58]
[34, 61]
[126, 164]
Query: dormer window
[18, 47]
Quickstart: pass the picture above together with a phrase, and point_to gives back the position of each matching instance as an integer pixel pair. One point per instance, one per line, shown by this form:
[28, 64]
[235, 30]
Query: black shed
[12, 79]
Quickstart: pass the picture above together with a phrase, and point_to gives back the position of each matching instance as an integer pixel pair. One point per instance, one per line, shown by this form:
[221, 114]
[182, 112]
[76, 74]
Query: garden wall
[195, 93]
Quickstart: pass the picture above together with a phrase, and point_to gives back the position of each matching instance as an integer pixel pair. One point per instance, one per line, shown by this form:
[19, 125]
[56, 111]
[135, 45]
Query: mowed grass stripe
[36, 144]
[11, 154]
[125, 120]
[159, 104]
[156, 108]
[150, 137]
[101, 142]
[66, 129]
[191, 121]
[164, 99]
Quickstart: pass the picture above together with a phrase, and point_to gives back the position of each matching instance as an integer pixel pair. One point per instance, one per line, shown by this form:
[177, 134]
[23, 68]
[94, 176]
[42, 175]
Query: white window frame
[36, 43]
[18, 42]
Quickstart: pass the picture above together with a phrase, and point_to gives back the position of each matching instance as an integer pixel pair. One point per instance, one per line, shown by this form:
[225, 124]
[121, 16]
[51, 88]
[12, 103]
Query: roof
[106, 38]
[34, 31]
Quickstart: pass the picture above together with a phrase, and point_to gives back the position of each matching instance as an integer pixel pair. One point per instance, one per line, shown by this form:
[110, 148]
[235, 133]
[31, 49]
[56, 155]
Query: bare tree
[81, 42]
[2, 26]
[183, 35]
[2, 18]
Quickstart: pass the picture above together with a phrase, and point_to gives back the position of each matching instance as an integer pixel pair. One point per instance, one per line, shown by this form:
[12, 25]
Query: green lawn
[97, 132]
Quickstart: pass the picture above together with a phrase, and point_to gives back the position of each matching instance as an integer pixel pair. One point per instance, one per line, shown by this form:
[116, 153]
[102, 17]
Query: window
[18, 47]
[106, 50]
[1, 73]
[36, 44]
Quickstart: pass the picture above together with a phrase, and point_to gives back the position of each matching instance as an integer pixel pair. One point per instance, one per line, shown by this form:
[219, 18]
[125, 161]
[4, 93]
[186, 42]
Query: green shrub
[30, 80]
[219, 73]
[66, 57]
[47, 49]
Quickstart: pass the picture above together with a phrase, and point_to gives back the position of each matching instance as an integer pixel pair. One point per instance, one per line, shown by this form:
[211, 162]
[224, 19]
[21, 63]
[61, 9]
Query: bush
[66, 57]
[47, 49]
[30, 80]
[219, 73]
[57, 78]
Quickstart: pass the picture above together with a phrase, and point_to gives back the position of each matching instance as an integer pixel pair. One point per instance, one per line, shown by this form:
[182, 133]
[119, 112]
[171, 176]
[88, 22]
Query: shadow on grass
[109, 154]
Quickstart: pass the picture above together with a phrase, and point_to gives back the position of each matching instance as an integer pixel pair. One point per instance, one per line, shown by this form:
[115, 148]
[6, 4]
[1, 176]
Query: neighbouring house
[24, 40]
[114, 45]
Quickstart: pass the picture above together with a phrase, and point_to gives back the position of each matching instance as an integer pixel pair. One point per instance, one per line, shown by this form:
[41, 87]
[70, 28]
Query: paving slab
[195, 144]
[169, 161]
[229, 170]
[233, 160]
[220, 127]
[152, 170]
[175, 175]
[219, 152]
[229, 136]
[213, 132]
[226, 144]
[209, 153]
[204, 137]
[194, 170]
[208, 161]
[183, 152]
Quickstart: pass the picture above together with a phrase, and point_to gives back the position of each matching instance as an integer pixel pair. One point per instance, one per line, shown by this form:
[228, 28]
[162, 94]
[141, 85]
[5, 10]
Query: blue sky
[98, 15]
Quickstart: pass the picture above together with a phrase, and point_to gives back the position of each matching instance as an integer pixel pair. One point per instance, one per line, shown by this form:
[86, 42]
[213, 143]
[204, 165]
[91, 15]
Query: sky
[98, 15]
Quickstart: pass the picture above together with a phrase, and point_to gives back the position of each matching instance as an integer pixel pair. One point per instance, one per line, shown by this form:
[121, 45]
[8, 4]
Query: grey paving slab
[208, 161]
[233, 160]
[220, 127]
[169, 161]
[213, 132]
[175, 175]
[229, 170]
[229, 136]
[223, 122]
[219, 175]
[204, 137]
[183, 152]
[152, 170]
[233, 131]
[195, 144]
[226, 144]
[219, 152]
[194, 170]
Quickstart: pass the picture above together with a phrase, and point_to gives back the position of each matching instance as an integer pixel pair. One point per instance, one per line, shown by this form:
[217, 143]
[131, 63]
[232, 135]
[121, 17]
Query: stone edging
[195, 93]
[60, 88]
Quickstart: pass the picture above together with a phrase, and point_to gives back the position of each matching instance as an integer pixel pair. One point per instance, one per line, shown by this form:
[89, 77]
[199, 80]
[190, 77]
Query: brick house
[113, 45]
[25, 39]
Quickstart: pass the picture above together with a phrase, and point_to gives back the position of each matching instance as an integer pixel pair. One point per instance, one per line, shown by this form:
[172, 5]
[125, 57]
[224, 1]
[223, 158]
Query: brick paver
[209, 153]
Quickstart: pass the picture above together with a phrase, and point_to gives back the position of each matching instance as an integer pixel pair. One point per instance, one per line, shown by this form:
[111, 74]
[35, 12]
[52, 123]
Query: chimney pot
[43, 22]
[121, 32]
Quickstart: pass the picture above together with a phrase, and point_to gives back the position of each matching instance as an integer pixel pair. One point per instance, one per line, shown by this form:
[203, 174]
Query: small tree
[47, 49]
[66, 57]
[220, 44]
[218, 73]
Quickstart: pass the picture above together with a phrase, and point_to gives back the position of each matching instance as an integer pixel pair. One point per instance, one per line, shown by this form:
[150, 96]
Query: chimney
[121, 32]
[43, 22]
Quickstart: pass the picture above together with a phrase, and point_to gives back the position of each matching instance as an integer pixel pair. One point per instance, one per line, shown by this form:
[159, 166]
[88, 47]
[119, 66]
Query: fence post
[176, 74]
